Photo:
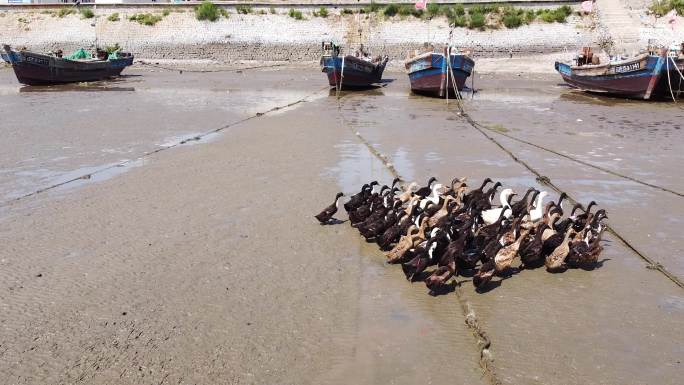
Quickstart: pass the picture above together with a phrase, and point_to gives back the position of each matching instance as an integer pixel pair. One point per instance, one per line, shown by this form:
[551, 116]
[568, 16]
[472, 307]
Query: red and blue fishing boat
[636, 77]
[39, 69]
[432, 74]
[351, 71]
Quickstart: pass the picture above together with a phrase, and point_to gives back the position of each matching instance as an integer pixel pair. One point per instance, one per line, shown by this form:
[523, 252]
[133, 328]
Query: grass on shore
[65, 11]
[475, 17]
[322, 12]
[661, 8]
[114, 17]
[148, 19]
[243, 9]
[297, 15]
[210, 11]
[87, 13]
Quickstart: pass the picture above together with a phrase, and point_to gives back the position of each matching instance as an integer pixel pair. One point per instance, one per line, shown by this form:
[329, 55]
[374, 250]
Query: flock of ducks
[452, 230]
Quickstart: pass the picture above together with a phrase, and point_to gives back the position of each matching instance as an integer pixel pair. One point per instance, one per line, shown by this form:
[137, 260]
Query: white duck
[538, 211]
[492, 215]
[434, 197]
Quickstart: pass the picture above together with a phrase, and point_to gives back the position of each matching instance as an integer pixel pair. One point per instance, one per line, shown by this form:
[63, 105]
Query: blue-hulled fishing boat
[637, 77]
[430, 73]
[351, 71]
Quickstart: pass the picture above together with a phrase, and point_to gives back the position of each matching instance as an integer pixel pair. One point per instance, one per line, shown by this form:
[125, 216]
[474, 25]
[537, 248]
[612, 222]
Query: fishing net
[79, 54]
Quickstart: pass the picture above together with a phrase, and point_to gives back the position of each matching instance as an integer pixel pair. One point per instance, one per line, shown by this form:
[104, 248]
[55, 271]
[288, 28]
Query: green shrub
[65, 11]
[272, 10]
[224, 12]
[433, 9]
[113, 17]
[404, 10]
[390, 10]
[262, 12]
[322, 12]
[565, 10]
[243, 9]
[207, 11]
[530, 16]
[661, 8]
[483, 9]
[459, 10]
[297, 15]
[512, 20]
[145, 18]
[477, 21]
[347, 11]
[87, 13]
[372, 7]
[558, 15]
[166, 12]
[459, 21]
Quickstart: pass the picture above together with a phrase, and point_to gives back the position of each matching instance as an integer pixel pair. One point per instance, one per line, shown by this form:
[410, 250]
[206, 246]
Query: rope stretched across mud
[542, 179]
[584, 163]
[158, 150]
[470, 317]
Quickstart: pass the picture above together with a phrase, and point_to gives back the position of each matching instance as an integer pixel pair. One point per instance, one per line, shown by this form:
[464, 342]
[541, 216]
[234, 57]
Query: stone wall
[275, 37]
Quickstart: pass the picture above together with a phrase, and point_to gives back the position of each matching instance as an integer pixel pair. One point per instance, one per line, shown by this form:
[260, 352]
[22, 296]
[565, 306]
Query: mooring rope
[542, 179]
[582, 162]
[482, 339]
[669, 82]
[144, 63]
[681, 76]
[158, 150]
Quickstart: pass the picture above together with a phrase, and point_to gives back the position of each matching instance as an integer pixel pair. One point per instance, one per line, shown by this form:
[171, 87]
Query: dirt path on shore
[204, 264]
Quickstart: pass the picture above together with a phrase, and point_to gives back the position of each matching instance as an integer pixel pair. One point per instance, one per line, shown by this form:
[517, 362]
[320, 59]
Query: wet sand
[203, 263]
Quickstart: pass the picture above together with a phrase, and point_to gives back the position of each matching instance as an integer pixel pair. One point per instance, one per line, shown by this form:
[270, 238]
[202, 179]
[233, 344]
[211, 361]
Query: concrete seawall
[275, 37]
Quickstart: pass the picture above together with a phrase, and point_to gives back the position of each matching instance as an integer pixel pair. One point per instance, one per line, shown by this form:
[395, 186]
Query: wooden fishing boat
[38, 69]
[636, 77]
[351, 71]
[671, 84]
[430, 73]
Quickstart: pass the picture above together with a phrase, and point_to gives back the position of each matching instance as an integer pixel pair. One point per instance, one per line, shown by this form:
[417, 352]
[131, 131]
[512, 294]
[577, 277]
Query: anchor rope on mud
[482, 340]
[158, 150]
[584, 163]
[652, 264]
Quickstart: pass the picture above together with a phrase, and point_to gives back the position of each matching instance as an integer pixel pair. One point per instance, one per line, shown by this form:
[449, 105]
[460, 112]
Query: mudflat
[199, 261]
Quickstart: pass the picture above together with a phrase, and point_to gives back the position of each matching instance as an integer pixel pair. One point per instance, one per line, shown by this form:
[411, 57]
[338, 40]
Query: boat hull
[635, 79]
[37, 69]
[428, 73]
[352, 72]
[670, 85]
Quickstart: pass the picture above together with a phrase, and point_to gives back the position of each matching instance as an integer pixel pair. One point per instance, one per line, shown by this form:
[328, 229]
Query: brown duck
[504, 258]
[556, 260]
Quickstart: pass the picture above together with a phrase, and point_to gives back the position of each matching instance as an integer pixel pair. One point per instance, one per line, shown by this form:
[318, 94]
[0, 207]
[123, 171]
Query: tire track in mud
[158, 150]
[481, 337]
